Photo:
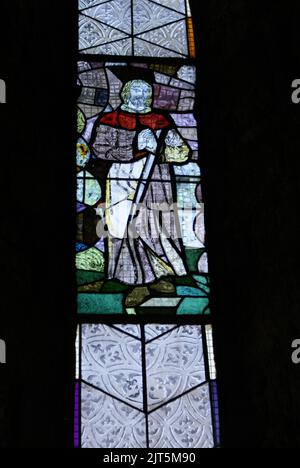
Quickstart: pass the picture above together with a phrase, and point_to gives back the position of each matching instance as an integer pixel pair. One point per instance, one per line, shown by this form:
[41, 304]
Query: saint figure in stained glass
[144, 245]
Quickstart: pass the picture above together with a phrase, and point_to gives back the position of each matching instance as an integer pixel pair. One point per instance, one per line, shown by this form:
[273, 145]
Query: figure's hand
[147, 141]
[173, 139]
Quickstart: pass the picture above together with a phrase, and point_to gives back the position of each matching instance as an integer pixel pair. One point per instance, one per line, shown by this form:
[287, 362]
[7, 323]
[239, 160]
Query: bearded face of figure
[137, 96]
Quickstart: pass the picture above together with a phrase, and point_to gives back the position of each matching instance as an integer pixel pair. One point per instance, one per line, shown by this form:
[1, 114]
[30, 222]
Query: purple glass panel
[216, 412]
[77, 417]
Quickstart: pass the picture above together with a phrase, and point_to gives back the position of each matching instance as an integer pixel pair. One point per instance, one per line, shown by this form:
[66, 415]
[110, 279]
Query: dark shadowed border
[249, 55]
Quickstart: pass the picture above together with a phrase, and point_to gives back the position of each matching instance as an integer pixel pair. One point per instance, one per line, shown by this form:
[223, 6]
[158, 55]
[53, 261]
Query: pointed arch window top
[140, 28]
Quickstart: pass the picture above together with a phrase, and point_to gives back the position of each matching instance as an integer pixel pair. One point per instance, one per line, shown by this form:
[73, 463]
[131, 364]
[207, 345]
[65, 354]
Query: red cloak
[128, 121]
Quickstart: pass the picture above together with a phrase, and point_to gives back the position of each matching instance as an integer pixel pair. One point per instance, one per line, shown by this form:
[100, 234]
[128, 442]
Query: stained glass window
[146, 377]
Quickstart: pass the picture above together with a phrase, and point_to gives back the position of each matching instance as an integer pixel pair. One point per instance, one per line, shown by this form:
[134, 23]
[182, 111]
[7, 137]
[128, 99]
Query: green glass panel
[190, 292]
[100, 304]
[114, 287]
[87, 277]
[203, 283]
[81, 121]
[185, 281]
[90, 260]
[193, 306]
[192, 259]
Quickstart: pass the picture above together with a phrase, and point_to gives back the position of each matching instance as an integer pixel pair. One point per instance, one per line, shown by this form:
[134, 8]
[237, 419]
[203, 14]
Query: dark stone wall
[249, 55]
[37, 225]
[251, 145]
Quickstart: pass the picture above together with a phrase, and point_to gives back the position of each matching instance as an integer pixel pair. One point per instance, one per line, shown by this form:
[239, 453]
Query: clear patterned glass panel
[140, 28]
[186, 423]
[137, 392]
[108, 423]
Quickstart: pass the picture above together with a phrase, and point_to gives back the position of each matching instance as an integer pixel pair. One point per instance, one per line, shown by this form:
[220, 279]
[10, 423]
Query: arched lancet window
[146, 374]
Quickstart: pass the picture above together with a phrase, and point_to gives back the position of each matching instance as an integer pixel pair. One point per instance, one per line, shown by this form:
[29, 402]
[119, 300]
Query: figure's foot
[137, 296]
[164, 286]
